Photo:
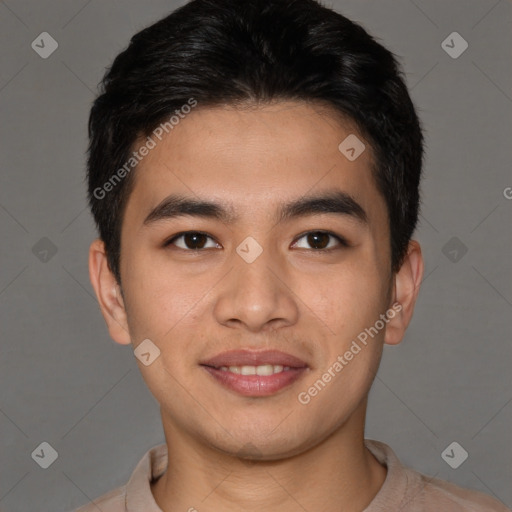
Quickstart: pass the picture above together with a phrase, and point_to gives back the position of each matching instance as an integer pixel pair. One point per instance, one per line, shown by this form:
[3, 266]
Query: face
[265, 268]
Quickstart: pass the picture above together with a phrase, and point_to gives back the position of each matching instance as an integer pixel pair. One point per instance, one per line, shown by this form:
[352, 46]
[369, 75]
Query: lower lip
[256, 385]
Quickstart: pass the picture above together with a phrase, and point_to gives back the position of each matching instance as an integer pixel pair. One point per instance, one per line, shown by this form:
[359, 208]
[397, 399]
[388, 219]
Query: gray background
[65, 382]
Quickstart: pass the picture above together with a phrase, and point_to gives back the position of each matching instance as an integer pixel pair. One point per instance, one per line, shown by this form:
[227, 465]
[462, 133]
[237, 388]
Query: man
[254, 171]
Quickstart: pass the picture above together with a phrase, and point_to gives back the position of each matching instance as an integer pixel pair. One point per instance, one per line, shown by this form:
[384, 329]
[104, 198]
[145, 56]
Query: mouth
[251, 373]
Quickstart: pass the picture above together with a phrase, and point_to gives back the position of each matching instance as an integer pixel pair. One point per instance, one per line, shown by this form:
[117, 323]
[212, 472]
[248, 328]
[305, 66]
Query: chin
[264, 440]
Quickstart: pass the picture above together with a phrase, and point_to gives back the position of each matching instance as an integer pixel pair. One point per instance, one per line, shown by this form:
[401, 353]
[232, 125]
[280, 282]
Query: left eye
[319, 240]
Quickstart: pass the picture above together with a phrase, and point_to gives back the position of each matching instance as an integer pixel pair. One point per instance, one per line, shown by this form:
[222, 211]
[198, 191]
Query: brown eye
[191, 240]
[318, 240]
[321, 240]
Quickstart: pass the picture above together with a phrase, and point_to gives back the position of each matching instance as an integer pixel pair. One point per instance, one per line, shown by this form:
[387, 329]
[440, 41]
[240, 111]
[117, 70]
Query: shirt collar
[396, 482]
[153, 464]
[138, 490]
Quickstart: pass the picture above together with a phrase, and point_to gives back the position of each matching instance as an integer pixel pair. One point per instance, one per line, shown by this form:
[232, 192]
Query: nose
[256, 296]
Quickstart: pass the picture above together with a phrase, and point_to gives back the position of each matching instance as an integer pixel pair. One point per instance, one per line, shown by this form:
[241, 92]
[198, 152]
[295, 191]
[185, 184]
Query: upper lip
[254, 358]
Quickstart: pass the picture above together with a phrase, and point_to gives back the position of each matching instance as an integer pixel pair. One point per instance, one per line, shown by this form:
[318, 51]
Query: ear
[407, 283]
[108, 293]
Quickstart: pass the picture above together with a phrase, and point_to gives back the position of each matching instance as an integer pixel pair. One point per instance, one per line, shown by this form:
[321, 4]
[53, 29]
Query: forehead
[255, 157]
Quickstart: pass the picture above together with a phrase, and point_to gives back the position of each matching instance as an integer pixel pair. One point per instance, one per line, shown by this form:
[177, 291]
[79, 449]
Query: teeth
[248, 370]
[264, 369]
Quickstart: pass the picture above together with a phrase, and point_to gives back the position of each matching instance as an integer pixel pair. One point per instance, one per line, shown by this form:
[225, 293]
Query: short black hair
[234, 52]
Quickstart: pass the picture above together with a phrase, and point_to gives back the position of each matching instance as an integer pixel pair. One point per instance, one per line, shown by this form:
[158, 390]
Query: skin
[293, 297]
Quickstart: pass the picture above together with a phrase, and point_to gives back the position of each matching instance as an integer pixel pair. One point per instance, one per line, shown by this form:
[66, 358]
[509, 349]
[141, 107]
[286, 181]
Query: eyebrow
[336, 202]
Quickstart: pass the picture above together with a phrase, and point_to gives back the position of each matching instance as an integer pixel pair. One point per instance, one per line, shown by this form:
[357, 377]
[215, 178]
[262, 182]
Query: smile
[255, 373]
[264, 369]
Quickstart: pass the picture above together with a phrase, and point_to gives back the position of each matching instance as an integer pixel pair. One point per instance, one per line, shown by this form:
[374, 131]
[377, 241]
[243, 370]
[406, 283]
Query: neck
[339, 473]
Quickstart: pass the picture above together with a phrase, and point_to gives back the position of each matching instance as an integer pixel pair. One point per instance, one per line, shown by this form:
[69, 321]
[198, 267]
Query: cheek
[336, 391]
[156, 299]
[351, 310]
[349, 297]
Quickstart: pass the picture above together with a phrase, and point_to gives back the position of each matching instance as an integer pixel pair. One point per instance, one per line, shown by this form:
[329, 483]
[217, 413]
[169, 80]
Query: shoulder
[437, 494]
[112, 501]
[407, 490]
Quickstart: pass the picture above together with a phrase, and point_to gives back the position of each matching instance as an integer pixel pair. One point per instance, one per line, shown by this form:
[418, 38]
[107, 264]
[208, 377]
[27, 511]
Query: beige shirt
[404, 489]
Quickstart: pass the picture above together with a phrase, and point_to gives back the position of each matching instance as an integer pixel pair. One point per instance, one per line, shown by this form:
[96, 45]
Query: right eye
[191, 241]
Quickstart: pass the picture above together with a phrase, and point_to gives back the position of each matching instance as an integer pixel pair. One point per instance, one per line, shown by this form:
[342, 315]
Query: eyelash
[342, 242]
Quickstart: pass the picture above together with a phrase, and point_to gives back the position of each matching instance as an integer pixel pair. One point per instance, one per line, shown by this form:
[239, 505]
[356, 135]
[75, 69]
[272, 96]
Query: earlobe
[406, 289]
[108, 293]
